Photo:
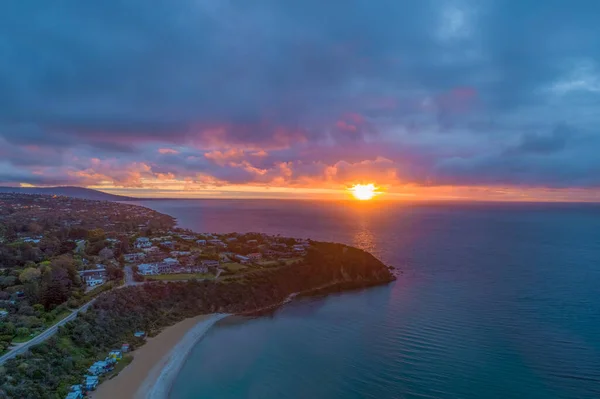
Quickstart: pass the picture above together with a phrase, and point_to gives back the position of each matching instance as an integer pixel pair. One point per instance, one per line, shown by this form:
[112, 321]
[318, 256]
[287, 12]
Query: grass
[19, 339]
[120, 366]
[233, 266]
[182, 276]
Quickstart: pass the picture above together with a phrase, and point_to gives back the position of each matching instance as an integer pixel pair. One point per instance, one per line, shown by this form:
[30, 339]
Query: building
[168, 244]
[255, 257]
[148, 269]
[167, 265]
[180, 253]
[93, 277]
[100, 367]
[3, 313]
[210, 263]
[187, 237]
[140, 334]
[217, 243]
[252, 242]
[74, 395]
[242, 259]
[115, 354]
[201, 242]
[91, 382]
[143, 242]
[134, 257]
[125, 348]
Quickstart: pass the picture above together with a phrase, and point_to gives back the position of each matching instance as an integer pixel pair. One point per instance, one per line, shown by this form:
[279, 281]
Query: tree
[22, 331]
[7, 281]
[106, 254]
[30, 274]
[114, 273]
[96, 235]
[56, 288]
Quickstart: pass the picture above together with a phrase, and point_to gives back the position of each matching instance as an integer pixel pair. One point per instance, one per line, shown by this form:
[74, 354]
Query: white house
[148, 269]
[93, 277]
[134, 257]
[242, 259]
[143, 242]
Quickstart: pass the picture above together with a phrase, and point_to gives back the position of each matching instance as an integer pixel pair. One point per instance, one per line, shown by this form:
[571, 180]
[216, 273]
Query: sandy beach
[156, 364]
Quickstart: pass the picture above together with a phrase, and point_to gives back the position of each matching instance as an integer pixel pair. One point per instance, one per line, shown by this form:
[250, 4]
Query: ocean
[495, 300]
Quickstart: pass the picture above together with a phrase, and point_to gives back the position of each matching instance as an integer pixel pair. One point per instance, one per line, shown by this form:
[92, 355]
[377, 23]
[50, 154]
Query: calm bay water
[495, 301]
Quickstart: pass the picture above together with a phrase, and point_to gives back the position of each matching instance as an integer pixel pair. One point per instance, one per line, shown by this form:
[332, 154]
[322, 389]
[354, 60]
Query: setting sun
[364, 191]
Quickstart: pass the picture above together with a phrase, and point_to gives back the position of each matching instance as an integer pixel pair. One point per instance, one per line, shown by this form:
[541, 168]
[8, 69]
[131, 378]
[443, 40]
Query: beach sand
[156, 364]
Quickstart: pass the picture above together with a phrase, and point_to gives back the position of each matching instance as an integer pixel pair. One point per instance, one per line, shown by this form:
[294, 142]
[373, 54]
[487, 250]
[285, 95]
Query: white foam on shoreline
[159, 382]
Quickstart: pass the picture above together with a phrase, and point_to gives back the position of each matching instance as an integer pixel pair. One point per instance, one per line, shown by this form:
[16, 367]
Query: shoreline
[156, 364]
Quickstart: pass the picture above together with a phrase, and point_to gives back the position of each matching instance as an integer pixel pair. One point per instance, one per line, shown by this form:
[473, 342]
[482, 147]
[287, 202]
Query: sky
[427, 99]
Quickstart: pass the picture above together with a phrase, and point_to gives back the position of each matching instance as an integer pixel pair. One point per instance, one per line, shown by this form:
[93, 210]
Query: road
[24, 347]
[129, 277]
[17, 349]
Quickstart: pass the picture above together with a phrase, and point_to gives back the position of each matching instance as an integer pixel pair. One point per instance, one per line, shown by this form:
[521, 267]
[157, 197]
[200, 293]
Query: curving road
[24, 347]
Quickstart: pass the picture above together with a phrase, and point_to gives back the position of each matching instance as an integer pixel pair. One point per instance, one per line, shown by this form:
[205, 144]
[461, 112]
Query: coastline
[156, 364]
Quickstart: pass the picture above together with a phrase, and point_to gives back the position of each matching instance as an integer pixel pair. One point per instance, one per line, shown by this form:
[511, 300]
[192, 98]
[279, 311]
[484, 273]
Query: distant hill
[68, 191]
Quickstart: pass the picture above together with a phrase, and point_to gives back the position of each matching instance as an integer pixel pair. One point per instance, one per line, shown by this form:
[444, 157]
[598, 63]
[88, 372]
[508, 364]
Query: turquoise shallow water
[496, 301]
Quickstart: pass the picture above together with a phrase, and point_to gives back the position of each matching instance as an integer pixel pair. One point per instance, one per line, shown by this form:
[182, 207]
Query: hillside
[68, 191]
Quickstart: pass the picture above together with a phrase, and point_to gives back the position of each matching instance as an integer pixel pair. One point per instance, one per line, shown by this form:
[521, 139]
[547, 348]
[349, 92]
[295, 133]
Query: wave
[159, 387]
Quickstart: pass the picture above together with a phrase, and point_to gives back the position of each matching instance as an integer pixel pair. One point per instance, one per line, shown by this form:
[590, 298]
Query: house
[231, 239]
[252, 242]
[74, 395]
[167, 265]
[242, 259]
[100, 367]
[148, 269]
[187, 237]
[210, 263]
[143, 242]
[125, 348]
[152, 250]
[255, 257]
[140, 334]
[3, 313]
[31, 240]
[169, 244]
[198, 269]
[77, 389]
[180, 253]
[115, 354]
[299, 249]
[93, 277]
[129, 258]
[201, 242]
[217, 243]
[91, 382]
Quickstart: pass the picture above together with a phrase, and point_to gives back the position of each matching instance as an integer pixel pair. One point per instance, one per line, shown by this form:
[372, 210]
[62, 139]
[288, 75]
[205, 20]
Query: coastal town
[59, 253]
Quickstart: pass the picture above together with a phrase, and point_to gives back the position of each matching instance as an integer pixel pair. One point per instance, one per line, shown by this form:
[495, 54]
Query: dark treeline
[50, 368]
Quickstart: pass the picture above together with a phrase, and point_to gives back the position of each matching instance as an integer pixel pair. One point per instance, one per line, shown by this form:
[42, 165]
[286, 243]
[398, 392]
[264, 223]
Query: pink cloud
[167, 151]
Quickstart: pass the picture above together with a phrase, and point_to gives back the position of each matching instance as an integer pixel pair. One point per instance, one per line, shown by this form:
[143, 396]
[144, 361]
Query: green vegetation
[51, 367]
[181, 276]
[124, 362]
[233, 266]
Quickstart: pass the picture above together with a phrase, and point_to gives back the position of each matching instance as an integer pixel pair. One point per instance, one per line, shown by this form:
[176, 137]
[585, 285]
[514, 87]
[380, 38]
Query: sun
[364, 192]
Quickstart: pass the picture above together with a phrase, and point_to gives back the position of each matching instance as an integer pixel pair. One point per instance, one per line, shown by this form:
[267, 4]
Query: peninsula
[143, 274]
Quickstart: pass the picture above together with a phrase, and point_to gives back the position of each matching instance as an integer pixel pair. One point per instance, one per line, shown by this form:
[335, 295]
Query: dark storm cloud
[451, 91]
